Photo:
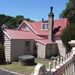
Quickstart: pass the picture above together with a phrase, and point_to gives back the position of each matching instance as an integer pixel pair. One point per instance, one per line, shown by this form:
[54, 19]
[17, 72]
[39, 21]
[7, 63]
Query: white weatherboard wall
[61, 47]
[16, 47]
[7, 45]
[41, 50]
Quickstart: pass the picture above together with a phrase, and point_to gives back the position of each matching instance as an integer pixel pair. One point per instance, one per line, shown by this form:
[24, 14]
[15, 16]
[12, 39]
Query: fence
[61, 66]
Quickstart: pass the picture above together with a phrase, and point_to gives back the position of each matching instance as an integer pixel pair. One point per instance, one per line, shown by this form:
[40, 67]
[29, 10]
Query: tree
[1, 35]
[2, 55]
[2, 19]
[68, 35]
[11, 23]
[69, 11]
[28, 19]
[19, 19]
[69, 32]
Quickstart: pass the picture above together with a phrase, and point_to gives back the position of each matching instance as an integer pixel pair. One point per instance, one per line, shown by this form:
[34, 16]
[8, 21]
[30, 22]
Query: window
[45, 26]
[28, 43]
[28, 47]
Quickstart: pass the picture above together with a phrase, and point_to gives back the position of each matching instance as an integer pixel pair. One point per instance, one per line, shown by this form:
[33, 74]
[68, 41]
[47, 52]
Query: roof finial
[51, 9]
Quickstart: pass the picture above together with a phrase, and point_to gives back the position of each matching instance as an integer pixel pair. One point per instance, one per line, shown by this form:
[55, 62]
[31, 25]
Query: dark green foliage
[26, 59]
[12, 22]
[69, 11]
[69, 32]
[1, 36]
[67, 35]
[2, 19]
[19, 19]
[28, 19]
[2, 57]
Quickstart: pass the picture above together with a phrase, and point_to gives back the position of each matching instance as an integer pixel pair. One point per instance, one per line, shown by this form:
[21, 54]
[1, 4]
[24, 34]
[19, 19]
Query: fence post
[49, 65]
[57, 66]
[53, 65]
[63, 60]
[61, 63]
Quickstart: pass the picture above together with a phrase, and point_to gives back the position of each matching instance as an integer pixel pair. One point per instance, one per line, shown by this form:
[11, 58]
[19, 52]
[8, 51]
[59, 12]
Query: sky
[33, 9]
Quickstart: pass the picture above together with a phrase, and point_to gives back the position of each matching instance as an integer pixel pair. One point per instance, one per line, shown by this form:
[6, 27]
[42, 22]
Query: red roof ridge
[61, 19]
[27, 22]
[36, 26]
[16, 30]
[44, 41]
[16, 34]
[30, 27]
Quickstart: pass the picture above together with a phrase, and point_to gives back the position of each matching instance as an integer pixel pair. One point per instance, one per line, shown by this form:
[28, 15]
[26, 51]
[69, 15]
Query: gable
[23, 27]
[27, 26]
[40, 29]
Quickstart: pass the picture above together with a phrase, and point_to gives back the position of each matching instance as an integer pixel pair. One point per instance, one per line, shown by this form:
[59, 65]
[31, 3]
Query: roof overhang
[6, 34]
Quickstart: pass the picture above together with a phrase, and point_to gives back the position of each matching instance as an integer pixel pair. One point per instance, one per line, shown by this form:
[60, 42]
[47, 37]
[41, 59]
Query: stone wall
[51, 50]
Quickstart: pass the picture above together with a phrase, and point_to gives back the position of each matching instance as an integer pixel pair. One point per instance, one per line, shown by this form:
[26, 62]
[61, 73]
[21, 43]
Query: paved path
[2, 72]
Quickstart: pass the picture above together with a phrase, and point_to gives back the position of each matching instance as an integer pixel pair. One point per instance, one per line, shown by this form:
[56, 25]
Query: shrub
[68, 35]
[2, 57]
[26, 59]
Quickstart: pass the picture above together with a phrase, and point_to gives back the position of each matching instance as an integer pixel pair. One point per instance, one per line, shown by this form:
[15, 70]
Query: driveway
[2, 72]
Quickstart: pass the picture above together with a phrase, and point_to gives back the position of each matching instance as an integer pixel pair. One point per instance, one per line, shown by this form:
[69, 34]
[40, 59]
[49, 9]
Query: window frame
[44, 26]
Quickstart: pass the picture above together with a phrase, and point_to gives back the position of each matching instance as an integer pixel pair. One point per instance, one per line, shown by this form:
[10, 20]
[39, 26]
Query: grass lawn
[27, 70]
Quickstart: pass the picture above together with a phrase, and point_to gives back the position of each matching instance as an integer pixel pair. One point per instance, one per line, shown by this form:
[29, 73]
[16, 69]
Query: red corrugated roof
[45, 41]
[15, 34]
[37, 26]
[61, 22]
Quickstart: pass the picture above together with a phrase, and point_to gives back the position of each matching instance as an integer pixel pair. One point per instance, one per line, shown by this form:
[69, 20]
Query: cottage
[34, 38]
[18, 43]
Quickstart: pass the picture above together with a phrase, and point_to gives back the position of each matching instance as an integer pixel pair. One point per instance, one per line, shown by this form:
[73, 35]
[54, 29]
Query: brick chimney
[50, 25]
